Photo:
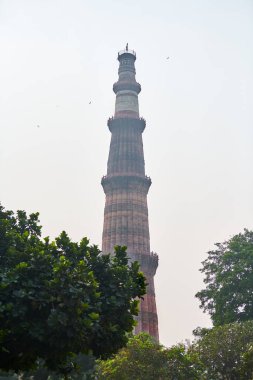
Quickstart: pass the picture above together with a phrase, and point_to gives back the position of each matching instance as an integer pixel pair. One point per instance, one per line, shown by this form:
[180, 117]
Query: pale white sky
[57, 56]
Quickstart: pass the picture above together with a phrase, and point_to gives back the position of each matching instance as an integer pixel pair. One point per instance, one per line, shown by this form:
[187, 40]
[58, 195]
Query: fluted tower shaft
[126, 187]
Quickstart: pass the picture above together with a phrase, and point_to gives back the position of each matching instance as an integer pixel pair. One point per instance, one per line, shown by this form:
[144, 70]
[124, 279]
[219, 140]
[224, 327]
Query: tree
[61, 298]
[226, 352]
[84, 370]
[228, 296]
[145, 359]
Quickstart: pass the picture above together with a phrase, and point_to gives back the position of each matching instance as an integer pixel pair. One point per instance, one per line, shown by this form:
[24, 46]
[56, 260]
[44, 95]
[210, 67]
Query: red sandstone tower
[126, 187]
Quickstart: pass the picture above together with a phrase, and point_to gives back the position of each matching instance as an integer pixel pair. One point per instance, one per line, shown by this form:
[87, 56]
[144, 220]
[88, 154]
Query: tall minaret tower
[126, 187]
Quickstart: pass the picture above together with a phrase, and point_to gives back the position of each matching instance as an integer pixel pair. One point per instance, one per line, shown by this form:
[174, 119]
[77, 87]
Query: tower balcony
[149, 263]
[124, 85]
[121, 122]
[128, 182]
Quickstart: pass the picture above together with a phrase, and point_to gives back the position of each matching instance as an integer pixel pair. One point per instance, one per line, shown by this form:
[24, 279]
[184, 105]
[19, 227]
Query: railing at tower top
[127, 175]
[126, 51]
[135, 118]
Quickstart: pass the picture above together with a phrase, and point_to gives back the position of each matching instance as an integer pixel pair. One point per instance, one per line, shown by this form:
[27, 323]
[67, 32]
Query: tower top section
[126, 60]
[126, 53]
[126, 88]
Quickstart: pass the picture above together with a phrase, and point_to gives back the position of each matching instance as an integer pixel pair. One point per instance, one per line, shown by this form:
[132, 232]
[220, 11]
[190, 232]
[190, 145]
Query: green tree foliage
[145, 359]
[228, 296]
[84, 370]
[61, 298]
[226, 352]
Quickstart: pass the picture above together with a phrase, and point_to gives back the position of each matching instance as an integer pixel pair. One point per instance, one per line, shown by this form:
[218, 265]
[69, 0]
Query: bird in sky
[38, 126]
[168, 58]
[90, 102]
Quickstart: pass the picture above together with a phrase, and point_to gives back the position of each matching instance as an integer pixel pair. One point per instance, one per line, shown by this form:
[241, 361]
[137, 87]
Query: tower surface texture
[126, 187]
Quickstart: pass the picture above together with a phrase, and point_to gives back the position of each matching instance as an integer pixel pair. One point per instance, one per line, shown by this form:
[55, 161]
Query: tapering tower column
[126, 187]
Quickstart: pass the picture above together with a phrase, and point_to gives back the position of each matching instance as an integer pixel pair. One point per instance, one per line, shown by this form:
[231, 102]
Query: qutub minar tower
[126, 187]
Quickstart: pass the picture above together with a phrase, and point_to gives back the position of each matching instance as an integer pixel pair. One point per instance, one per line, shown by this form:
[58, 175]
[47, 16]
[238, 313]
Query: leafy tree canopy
[145, 359]
[226, 352]
[60, 298]
[228, 296]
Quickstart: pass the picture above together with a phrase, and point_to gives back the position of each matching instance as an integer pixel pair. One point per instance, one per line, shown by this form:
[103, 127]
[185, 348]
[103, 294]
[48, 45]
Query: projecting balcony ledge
[129, 175]
[119, 122]
[149, 263]
[125, 85]
[126, 181]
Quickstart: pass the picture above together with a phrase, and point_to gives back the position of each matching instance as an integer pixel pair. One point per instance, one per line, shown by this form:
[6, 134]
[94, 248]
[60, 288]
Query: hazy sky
[58, 56]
